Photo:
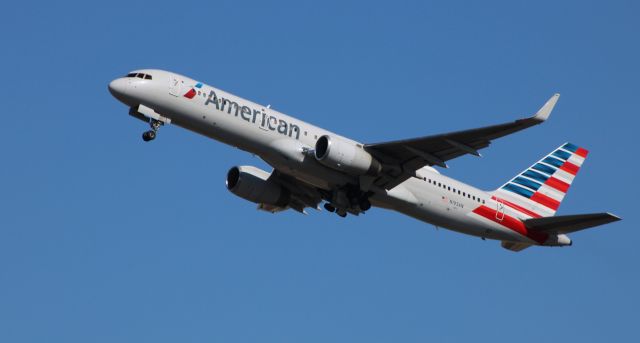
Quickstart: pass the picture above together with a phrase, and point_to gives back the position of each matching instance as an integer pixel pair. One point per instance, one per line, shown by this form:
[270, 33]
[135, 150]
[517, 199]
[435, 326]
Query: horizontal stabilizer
[570, 223]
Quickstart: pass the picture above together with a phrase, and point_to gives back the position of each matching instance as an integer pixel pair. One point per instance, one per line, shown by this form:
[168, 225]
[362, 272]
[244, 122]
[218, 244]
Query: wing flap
[513, 246]
[302, 194]
[570, 223]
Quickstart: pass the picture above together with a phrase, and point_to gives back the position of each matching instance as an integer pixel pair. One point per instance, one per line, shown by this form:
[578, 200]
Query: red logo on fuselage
[190, 94]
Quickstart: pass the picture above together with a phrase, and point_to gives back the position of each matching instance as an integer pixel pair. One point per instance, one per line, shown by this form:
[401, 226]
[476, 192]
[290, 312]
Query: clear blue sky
[104, 238]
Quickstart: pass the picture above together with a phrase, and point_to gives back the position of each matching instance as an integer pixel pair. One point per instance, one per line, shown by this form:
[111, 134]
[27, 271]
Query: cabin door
[174, 85]
[499, 209]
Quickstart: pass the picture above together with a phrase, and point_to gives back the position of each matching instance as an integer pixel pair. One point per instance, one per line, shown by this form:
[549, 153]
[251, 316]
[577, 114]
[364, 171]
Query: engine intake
[253, 184]
[346, 156]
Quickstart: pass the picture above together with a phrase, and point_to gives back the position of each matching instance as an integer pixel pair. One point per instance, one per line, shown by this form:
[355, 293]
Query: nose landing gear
[151, 134]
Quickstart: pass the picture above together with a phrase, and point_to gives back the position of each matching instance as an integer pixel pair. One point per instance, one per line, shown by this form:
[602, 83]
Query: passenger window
[448, 188]
[474, 197]
[464, 194]
[439, 184]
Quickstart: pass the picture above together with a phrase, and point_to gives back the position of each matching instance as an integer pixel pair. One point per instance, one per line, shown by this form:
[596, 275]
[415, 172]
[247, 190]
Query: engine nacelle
[253, 184]
[345, 156]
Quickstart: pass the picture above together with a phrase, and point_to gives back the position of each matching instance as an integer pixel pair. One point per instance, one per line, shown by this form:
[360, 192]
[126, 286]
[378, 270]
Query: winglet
[544, 112]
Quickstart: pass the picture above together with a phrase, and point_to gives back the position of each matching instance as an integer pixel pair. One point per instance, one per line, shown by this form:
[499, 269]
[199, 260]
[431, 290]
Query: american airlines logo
[254, 116]
[192, 92]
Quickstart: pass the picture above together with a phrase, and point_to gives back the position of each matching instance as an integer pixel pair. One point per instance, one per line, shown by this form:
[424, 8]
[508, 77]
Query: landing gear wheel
[342, 213]
[364, 204]
[329, 207]
[149, 136]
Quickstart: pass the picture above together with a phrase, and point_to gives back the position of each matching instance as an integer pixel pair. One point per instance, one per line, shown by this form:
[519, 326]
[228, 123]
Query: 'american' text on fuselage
[264, 120]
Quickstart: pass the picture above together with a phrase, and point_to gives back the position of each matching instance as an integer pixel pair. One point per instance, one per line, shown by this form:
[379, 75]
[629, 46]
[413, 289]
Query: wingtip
[544, 112]
[614, 217]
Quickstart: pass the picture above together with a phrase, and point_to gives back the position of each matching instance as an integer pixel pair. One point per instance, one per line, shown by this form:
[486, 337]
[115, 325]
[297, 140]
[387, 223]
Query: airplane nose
[117, 88]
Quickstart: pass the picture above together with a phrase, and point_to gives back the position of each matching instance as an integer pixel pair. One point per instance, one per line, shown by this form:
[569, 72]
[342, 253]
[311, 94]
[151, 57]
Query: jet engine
[346, 156]
[253, 184]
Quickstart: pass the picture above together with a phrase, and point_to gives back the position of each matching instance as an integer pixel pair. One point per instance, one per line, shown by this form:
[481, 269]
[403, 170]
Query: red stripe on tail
[557, 184]
[582, 152]
[545, 201]
[570, 168]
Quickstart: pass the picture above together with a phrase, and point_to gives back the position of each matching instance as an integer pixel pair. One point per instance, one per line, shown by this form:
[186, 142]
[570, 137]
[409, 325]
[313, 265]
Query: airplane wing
[407, 156]
[302, 195]
[570, 223]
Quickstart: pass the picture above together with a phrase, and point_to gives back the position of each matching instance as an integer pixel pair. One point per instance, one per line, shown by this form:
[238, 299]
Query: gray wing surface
[407, 156]
[302, 194]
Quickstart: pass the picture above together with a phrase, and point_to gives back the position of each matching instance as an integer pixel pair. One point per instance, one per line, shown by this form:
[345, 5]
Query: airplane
[312, 166]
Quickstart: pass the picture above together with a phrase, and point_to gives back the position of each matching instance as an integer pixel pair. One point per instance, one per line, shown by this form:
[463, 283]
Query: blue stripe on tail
[535, 175]
[553, 161]
[544, 168]
[570, 147]
[518, 190]
[527, 183]
[562, 154]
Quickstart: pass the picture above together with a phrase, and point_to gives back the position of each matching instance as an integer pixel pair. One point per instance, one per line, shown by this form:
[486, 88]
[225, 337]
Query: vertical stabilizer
[540, 189]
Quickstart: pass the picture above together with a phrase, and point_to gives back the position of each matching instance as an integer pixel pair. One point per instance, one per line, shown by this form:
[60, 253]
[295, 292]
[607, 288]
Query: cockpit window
[140, 76]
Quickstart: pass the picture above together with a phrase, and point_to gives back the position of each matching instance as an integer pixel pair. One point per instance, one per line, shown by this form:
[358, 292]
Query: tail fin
[539, 190]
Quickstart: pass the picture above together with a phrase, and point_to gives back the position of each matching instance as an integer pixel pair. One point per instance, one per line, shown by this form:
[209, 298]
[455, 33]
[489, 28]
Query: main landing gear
[151, 134]
[339, 211]
[356, 205]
